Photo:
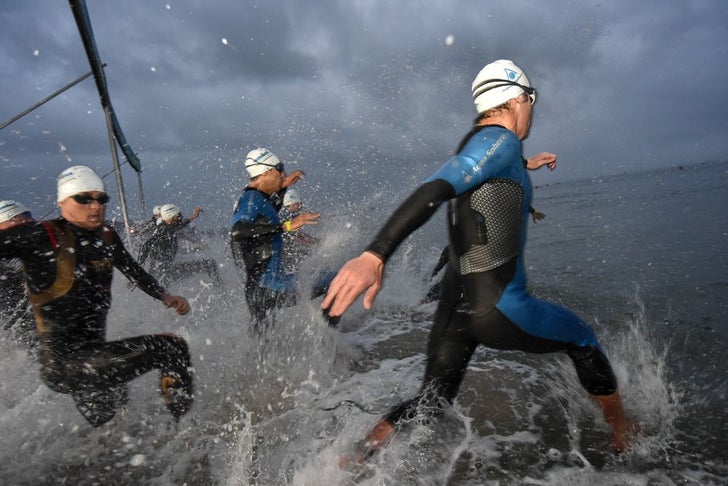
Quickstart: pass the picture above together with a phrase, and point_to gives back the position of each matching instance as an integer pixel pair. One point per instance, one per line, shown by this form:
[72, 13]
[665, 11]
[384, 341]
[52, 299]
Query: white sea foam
[282, 409]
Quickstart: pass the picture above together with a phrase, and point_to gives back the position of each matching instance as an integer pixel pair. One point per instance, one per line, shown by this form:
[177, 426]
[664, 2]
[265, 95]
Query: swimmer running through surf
[485, 300]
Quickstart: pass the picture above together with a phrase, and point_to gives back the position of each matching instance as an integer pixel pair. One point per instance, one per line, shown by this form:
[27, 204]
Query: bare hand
[357, 275]
[539, 160]
[196, 212]
[292, 178]
[537, 216]
[177, 303]
[304, 219]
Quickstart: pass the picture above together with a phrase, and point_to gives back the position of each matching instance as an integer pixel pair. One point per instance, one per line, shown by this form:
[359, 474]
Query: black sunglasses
[478, 90]
[86, 199]
[279, 166]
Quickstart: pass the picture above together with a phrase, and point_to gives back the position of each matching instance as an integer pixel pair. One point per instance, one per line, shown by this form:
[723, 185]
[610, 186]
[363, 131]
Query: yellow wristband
[286, 226]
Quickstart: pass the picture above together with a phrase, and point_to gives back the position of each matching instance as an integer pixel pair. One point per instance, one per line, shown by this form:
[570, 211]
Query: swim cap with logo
[499, 82]
[169, 211]
[259, 161]
[10, 209]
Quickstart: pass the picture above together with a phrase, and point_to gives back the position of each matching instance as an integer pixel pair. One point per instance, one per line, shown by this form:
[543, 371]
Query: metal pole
[117, 170]
[141, 194]
[47, 99]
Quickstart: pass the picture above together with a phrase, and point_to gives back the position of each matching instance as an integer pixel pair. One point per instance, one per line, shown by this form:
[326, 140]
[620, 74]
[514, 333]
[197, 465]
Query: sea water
[642, 257]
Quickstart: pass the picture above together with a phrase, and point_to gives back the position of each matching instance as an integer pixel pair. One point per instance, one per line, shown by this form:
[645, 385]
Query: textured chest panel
[497, 205]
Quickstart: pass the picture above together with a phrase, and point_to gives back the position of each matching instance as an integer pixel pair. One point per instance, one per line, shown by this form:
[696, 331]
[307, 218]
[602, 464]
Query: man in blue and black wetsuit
[256, 240]
[485, 299]
[69, 264]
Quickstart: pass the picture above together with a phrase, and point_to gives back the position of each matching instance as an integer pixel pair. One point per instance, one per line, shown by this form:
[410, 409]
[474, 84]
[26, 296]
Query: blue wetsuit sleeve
[483, 157]
[415, 211]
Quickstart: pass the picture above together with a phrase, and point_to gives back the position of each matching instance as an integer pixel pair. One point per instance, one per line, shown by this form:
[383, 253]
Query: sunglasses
[279, 166]
[531, 92]
[86, 199]
[477, 91]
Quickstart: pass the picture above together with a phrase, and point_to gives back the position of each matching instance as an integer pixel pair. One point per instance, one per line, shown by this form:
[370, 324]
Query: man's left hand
[177, 303]
[539, 160]
[292, 178]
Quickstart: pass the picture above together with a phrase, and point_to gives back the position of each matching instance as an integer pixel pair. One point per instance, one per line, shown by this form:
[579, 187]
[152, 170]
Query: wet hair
[486, 114]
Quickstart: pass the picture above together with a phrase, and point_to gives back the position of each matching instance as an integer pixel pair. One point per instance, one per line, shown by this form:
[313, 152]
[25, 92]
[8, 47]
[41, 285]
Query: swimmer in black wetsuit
[145, 229]
[162, 247]
[14, 305]
[485, 298]
[69, 263]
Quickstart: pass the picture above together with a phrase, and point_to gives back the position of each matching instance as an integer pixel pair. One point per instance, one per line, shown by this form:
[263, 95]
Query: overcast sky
[361, 94]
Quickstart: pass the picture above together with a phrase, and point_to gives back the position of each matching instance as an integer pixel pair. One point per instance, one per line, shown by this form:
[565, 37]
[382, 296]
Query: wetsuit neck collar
[79, 229]
[251, 188]
[498, 125]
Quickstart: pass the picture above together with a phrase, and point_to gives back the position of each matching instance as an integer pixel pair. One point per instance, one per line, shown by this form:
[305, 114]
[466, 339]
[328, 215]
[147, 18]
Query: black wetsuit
[161, 249]
[435, 292]
[144, 230]
[69, 272]
[15, 313]
[484, 293]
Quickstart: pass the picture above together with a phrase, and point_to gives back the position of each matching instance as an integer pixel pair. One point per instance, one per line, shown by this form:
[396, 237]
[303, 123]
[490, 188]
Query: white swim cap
[291, 197]
[76, 180]
[10, 209]
[169, 211]
[499, 82]
[261, 160]
[156, 210]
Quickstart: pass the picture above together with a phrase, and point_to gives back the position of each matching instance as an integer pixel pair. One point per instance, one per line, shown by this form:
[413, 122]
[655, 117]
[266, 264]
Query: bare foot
[351, 463]
[622, 438]
[623, 430]
[375, 440]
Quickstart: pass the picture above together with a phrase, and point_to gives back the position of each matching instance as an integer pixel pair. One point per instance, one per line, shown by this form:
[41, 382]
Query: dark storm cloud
[359, 90]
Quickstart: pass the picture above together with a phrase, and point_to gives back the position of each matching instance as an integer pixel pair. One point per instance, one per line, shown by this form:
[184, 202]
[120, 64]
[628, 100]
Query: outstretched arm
[365, 272]
[133, 270]
[292, 178]
[195, 212]
[300, 221]
[357, 275]
[539, 160]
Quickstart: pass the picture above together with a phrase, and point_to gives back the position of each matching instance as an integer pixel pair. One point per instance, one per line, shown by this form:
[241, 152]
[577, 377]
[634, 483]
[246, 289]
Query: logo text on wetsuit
[488, 154]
